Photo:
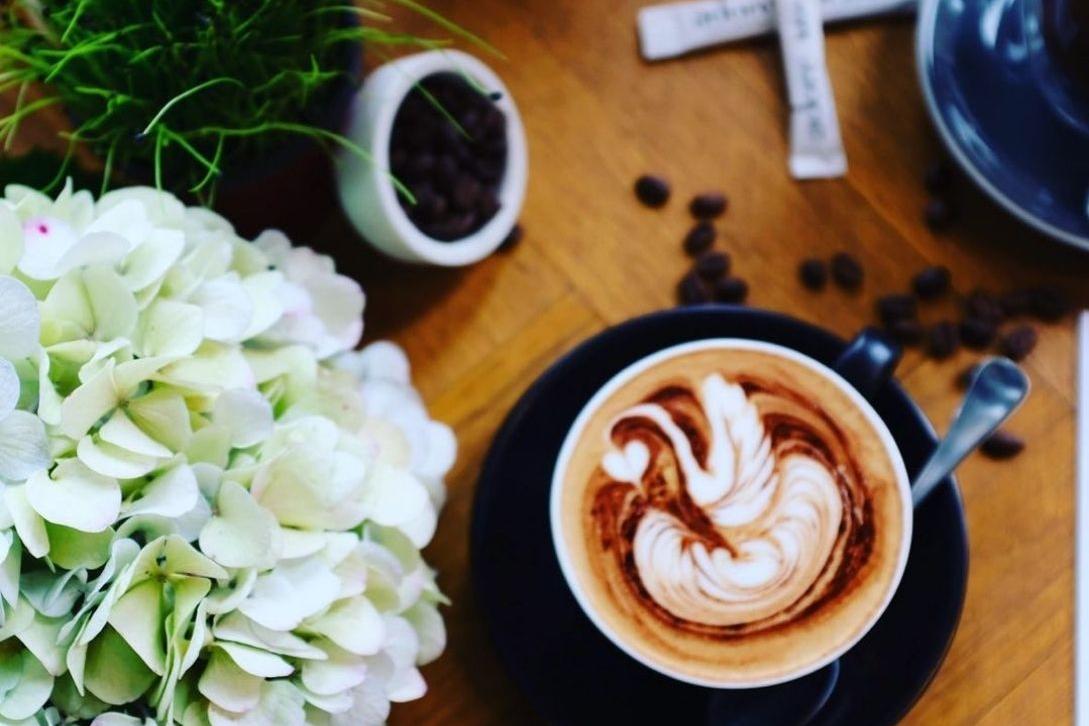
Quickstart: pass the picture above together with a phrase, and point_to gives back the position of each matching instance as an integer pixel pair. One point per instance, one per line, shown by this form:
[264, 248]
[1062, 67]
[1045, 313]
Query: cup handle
[868, 361]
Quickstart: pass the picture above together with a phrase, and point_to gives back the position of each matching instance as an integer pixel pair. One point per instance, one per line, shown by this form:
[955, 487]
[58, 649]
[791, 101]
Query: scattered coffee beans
[1002, 445]
[891, 308]
[691, 290]
[652, 191]
[943, 340]
[731, 290]
[707, 205]
[512, 239]
[700, 238]
[982, 305]
[846, 271]
[932, 282]
[939, 214]
[1016, 303]
[454, 173]
[978, 333]
[1019, 342]
[813, 273]
[713, 265]
[906, 332]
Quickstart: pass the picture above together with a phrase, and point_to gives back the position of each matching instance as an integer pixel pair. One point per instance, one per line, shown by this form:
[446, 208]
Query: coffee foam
[733, 515]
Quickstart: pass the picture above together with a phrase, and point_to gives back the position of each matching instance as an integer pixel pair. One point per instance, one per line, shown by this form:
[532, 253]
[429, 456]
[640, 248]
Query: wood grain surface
[597, 117]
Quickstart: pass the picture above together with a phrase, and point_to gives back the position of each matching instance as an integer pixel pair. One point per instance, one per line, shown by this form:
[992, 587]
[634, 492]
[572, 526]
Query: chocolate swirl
[733, 509]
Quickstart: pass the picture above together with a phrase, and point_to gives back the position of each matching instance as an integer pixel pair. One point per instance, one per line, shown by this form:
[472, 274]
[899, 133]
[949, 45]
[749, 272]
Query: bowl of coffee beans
[448, 166]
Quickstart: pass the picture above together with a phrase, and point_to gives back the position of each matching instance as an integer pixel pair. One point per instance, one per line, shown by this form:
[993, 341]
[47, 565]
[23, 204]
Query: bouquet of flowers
[211, 506]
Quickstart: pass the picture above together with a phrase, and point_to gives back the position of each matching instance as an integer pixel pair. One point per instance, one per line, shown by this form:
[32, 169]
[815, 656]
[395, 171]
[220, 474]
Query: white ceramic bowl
[366, 191]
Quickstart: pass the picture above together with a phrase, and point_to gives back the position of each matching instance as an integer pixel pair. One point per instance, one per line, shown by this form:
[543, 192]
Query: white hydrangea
[211, 508]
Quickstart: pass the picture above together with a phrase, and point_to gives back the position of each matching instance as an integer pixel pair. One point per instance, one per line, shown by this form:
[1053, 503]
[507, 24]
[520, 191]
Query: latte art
[731, 509]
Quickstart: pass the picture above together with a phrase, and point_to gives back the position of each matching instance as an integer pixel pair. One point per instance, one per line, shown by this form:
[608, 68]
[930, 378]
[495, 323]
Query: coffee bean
[964, 378]
[707, 205]
[984, 306]
[931, 282]
[937, 177]
[512, 239]
[1049, 304]
[1019, 342]
[732, 290]
[813, 273]
[652, 191]
[691, 290]
[978, 333]
[906, 331]
[891, 308]
[1002, 445]
[846, 271]
[699, 238]
[1016, 303]
[939, 214]
[943, 340]
[712, 265]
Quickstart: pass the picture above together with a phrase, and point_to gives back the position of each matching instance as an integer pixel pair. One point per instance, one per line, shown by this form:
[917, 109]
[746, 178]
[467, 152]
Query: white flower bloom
[322, 309]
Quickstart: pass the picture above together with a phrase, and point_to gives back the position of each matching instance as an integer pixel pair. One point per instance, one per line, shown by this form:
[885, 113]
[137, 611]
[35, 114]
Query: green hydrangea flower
[211, 507]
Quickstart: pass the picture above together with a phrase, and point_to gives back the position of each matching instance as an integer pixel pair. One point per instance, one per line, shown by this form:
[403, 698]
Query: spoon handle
[997, 389]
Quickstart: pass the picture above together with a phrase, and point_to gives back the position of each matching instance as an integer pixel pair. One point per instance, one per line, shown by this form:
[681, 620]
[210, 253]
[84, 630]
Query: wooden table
[597, 117]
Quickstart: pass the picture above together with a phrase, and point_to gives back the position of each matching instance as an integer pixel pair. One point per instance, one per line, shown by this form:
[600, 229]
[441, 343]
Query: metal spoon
[794, 702]
[997, 388]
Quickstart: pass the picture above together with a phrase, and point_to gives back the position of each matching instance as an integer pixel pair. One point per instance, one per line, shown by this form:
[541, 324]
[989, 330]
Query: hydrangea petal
[331, 703]
[89, 403]
[150, 261]
[243, 533]
[75, 497]
[20, 320]
[262, 289]
[126, 219]
[24, 447]
[171, 494]
[122, 432]
[430, 630]
[256, 661]
[72, 549]
[354, 625]
[94, 249]
[138, 617]
[228, 686]
[113, 671]
[28, 523]
[11, 239]
[45, 241]
[338, 672]
[246, 415]
[228, 309]
[32, 692]
[40, 638]
[9, 388]
[113, 461]
[237, 628]
[406, 685]
[370, 706]
[10, 566]
[281, 704]
[282, 598]
[164, 416]
[394, 496]
[169, 327]
[112, 305]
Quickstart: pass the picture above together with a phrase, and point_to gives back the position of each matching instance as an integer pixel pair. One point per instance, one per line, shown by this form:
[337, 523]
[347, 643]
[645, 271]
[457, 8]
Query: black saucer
[572, 673]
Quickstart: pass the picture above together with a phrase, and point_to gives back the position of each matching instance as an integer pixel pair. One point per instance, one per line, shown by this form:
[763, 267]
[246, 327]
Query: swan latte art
[731, 513]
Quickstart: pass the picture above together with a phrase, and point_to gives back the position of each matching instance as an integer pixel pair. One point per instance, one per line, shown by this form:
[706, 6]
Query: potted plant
[216, 101]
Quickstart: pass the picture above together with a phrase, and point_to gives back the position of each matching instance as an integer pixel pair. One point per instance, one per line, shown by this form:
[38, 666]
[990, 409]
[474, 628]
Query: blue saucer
[572, 673]
[989, 111]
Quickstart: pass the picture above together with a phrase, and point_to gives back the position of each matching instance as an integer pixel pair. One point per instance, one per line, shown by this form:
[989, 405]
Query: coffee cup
[732, 513]
[1057, 48]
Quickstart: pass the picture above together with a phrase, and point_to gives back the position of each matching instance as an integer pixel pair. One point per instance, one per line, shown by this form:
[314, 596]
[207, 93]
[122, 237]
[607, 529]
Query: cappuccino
[731, 513]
